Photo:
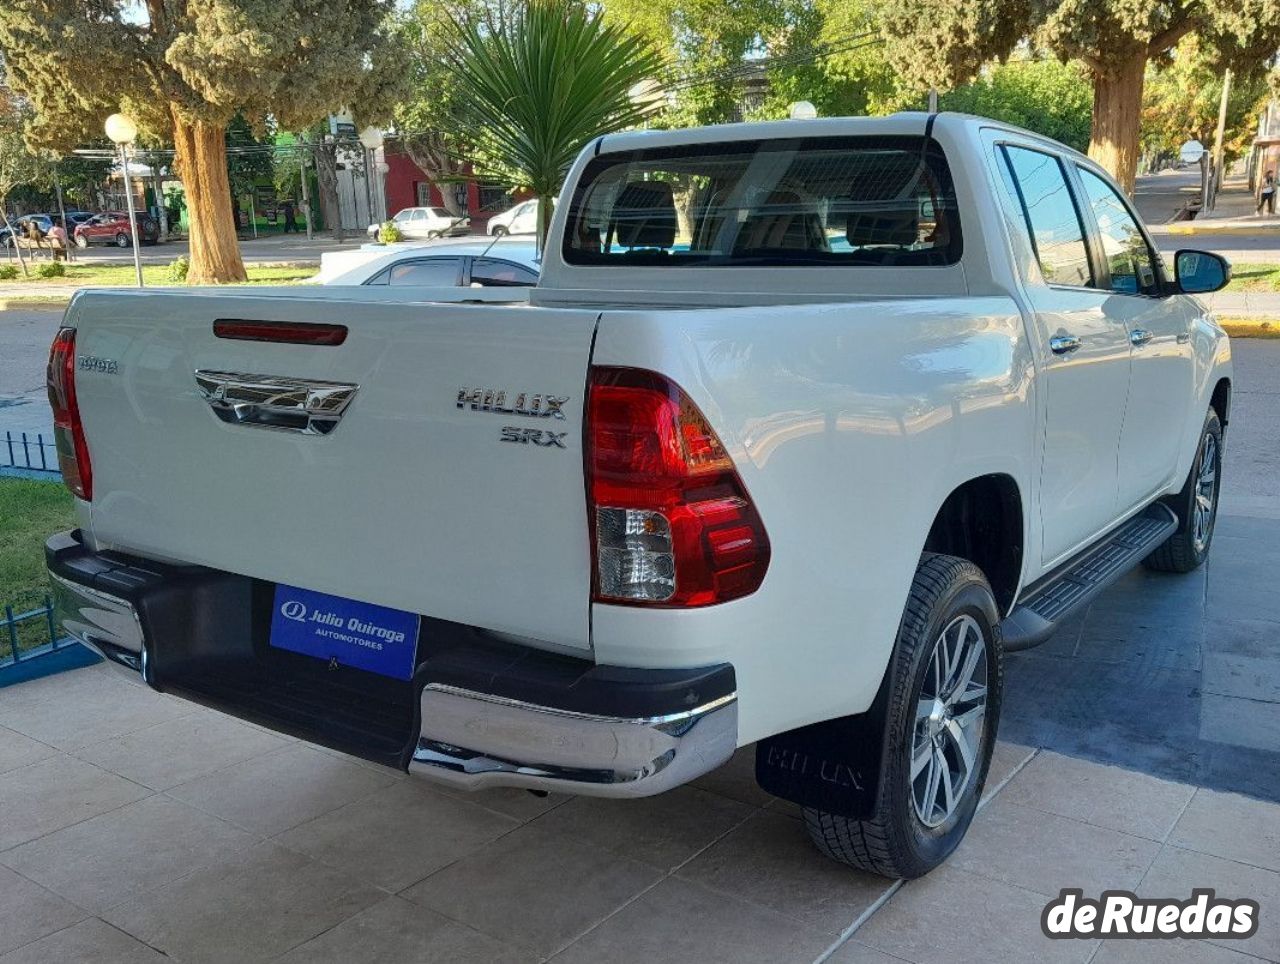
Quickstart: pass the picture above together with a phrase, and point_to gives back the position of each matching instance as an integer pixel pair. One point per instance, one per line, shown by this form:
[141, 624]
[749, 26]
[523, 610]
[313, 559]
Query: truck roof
[902, 123]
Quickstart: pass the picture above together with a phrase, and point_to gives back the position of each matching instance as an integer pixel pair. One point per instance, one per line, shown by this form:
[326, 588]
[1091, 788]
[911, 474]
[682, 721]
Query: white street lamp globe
[121, 128]
[803, 110]
[371, 138]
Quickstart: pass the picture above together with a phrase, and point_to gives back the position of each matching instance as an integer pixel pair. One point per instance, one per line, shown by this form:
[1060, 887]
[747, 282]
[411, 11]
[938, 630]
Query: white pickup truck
[801, 421]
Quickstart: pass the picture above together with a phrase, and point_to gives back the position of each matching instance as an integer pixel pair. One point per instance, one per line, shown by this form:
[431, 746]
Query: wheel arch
[1221, 399]
[982, 520]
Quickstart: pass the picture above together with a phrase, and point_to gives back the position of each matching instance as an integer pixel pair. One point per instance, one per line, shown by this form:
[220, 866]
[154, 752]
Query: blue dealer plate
[368, 637]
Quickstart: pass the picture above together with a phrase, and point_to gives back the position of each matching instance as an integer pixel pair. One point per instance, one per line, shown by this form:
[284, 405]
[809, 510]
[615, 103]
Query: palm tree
[540, 84]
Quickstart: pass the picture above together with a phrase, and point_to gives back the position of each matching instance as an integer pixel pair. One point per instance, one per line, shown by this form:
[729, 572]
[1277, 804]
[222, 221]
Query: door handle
[1064, 344]
[1139, 337]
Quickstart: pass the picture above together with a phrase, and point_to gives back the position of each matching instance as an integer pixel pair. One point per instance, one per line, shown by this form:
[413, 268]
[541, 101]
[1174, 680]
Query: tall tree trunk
[327, 180]
[201, 154]
[1114, 141]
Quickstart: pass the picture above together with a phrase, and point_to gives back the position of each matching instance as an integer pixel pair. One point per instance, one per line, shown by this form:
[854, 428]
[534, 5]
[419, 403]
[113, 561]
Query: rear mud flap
[834, 766]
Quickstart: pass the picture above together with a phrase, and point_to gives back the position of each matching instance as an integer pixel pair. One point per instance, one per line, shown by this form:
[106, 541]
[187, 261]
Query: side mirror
[1199, 272]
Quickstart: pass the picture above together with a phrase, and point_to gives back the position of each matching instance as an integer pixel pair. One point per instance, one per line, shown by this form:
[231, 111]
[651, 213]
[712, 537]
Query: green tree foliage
[944, 43]
[1182, 100]
[1045, 96]
[184, 68]
[706, 41]
[432, 119]
[540, 85]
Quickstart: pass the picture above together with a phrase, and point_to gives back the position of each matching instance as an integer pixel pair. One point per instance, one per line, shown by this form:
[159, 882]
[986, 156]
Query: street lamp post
[370, 140]
[122, 130]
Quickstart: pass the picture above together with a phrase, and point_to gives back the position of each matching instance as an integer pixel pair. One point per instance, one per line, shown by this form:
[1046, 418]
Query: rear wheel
[498, 231]
[944, 706]
[1196, 505]
[122, 240]
[81, 241]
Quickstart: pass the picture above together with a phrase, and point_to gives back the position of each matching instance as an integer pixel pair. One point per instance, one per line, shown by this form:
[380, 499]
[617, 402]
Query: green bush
[8, 272]
[51, 269]
[389, 233]
[178, 269]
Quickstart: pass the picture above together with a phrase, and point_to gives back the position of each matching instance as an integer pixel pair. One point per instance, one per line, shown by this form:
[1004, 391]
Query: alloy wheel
[947, 738]
[1206, 495]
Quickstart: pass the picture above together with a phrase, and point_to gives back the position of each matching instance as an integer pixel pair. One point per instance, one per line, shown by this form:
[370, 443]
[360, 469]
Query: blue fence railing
[32, 452]
[37, 650]
[44, 626]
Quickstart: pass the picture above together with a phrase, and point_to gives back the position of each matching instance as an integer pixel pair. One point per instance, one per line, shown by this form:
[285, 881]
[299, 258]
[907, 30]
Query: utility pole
[62, 214]
[1212, 200]
[306, 193]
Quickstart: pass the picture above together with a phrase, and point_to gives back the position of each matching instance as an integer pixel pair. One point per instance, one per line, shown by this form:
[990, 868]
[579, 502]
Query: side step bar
[1071, 587]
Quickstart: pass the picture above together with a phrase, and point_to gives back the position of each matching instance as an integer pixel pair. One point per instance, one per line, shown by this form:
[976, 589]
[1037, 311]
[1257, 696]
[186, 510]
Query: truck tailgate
[412, 499]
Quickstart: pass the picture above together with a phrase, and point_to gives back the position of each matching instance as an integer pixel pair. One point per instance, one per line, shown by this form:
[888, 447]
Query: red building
[408, 187]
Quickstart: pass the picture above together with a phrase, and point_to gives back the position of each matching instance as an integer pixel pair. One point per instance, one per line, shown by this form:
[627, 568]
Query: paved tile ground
[164, 829]
[135, 828]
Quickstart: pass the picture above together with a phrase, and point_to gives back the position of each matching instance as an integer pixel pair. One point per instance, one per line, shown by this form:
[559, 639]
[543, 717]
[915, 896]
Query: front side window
[1125, 249]
[1040, 185]
[847, 201]
[433, 272]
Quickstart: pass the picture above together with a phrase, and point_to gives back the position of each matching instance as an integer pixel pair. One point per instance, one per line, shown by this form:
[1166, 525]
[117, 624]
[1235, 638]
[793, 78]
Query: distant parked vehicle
[474, 264]
[43, 221]
[426, 224]
[112, 227]
[520, 219]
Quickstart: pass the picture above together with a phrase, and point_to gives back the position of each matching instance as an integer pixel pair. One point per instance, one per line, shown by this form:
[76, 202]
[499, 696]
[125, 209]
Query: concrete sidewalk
[136, 825]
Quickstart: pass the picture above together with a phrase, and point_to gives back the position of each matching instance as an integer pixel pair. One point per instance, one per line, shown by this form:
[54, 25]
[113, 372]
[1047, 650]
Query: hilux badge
[530, 404]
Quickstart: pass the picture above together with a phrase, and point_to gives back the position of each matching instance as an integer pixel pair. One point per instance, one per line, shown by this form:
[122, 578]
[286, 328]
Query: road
[265, 249]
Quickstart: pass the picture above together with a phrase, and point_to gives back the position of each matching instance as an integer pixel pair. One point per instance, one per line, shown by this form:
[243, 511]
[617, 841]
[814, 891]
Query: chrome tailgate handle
[302, 405]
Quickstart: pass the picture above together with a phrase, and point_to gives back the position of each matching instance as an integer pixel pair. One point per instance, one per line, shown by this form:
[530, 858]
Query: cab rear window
[848, 201]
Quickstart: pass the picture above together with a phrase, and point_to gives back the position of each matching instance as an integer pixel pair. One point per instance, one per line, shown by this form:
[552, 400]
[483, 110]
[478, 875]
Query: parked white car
[793, 466]
[521, 218]
[424, 224]
[485, 262]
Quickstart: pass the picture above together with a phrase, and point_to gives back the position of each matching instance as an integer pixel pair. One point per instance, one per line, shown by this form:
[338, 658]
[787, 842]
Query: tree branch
[1170, 36]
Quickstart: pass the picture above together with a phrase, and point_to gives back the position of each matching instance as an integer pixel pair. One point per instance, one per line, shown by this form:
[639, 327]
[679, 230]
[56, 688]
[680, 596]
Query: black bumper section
[206, 639]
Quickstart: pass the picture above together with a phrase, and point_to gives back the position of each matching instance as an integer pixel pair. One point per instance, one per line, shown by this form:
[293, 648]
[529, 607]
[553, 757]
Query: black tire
[498, 231]
[433, 235]
[122, 240]
[1186, 549]
[896, 842]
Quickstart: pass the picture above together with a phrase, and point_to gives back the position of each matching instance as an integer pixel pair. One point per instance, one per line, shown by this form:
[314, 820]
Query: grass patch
[112, 275]
[29, 512]
[1254, 277]
[1251, 327]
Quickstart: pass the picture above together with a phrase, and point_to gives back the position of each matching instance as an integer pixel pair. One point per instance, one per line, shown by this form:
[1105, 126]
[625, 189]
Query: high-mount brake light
[68, 431]
[673, 524]
[280, 332]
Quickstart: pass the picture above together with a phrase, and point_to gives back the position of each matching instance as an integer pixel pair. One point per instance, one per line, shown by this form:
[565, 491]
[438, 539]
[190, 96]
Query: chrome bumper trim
[106, 624]
[475, 740]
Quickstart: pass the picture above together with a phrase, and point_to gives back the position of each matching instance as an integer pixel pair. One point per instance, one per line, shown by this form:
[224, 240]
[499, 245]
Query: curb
[38, 302]
[1184, 228]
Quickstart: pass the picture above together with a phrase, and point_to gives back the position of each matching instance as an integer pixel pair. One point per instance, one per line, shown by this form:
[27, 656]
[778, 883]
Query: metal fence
[42, 636]
[25, 452]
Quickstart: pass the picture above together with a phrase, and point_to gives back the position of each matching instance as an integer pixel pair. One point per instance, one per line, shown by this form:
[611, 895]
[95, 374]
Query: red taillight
[68, 432]
[673, 524]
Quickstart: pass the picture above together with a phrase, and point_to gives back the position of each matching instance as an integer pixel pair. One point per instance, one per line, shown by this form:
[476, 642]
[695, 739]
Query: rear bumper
[478, 712]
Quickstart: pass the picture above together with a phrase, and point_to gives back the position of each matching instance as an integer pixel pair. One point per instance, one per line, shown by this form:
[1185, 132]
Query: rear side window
[493, 272]
[435, 272]
[803, 201]
[1131, 263]
[1039, 184]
